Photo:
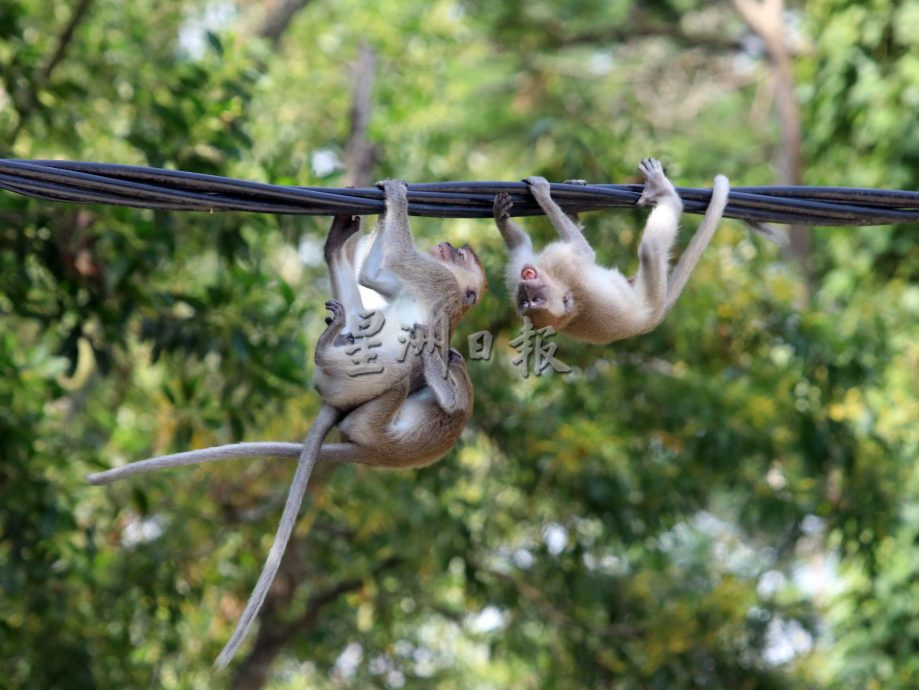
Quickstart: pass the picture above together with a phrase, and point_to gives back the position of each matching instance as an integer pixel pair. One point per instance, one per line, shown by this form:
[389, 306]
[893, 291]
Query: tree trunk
[252, 673]
[360, 153]
[766, 19]
[279, 18]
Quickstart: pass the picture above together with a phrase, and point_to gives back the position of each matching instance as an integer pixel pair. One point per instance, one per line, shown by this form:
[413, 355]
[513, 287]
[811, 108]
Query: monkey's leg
[514, 236]
[326, 419]
[341, 270]
[720, 192]
[366, 425]
[342, 228]
[567, 229]
[657, 239]
[326, 355]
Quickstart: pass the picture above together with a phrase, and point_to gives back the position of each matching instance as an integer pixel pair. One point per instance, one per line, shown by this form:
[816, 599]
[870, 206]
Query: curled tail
[720, 191]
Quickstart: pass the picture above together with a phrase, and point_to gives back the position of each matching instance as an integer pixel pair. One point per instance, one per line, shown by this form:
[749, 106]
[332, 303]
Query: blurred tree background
[728, 502]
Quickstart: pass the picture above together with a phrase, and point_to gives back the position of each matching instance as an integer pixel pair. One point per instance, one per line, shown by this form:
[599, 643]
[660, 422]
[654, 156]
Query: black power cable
[176, 190]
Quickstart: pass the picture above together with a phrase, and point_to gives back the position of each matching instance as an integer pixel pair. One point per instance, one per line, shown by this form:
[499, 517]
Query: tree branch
[766, 19]
[274, 633]
[637, 26]
[278, 20]
[360, 153]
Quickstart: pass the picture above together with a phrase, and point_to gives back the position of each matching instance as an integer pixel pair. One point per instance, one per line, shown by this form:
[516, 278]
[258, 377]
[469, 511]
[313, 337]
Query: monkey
[407, 420]
[418, 416]
[562, 286]
[434, 289]
[399, 428]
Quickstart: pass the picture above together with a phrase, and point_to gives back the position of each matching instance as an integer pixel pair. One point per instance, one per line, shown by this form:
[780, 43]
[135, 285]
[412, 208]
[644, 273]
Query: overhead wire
[178, 190]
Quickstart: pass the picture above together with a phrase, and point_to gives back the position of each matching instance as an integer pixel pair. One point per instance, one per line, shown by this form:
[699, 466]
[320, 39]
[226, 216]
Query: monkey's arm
[446, 383]
[393, 249]
[567, 229]
[514, 236]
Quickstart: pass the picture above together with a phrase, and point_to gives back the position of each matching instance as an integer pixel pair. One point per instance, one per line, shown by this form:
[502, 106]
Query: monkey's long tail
[329, 454]
[720, 191]
[196, 457]
[327, 418]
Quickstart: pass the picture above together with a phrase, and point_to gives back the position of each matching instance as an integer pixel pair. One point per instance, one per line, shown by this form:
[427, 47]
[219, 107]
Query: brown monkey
[404, 427]
[411, 410]
[410, 415]
[419, 417]
[432, 289]
[562, 286]
[400, 427]
[397, 429]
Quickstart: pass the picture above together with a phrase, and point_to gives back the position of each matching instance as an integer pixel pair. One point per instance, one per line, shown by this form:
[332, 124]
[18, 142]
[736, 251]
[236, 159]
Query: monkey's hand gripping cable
[176, 190]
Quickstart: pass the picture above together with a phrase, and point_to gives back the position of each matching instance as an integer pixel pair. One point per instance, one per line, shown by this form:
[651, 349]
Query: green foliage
[649, 520]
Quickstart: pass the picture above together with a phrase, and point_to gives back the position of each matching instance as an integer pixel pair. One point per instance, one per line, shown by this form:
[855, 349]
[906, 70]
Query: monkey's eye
[463, 254]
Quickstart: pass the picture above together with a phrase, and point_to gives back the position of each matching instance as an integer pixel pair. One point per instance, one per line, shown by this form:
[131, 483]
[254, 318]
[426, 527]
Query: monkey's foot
[342, 228]
[581, 183]
[657, 186]
[539, 186]
[502, 206]
[338, 312]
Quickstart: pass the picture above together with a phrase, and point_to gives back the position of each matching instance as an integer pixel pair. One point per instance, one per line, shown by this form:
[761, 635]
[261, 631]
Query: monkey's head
[467, 268]
[544, 299]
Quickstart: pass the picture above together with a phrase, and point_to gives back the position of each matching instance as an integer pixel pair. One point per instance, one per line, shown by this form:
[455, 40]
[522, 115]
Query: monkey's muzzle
[529, 296]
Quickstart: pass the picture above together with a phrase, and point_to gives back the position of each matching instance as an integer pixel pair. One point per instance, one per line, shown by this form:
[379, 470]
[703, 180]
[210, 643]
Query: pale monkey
[562, 286]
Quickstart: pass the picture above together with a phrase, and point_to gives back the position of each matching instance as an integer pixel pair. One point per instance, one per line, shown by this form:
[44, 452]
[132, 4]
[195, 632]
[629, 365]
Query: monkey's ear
[470, 298]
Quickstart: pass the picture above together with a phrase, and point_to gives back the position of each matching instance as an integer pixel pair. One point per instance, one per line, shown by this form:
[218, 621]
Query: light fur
[563, 286]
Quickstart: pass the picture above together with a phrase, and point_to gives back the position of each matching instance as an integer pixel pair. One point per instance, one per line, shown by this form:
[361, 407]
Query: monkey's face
[467, 268]
[542, 298]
